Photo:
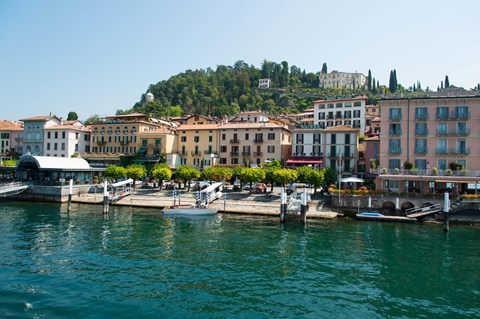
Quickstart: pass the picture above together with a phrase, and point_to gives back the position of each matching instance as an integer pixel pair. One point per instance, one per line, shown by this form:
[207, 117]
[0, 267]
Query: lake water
[134, 263]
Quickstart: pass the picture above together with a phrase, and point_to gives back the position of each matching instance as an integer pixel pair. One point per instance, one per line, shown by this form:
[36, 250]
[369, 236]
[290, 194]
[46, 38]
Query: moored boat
[189, 210]
[384, 218]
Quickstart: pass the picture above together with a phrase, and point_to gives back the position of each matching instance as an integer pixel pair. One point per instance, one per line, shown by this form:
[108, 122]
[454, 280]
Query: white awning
[125, 182]
[211, 187]
[352, 180]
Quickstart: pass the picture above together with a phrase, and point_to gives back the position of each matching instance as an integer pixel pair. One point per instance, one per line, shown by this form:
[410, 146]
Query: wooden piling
[283, 205]
[303, 206]
[446, 208]
[105, 197]
[70, 192]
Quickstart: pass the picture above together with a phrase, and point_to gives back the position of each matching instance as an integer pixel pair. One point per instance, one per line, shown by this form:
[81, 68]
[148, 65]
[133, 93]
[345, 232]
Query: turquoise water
[135, 263]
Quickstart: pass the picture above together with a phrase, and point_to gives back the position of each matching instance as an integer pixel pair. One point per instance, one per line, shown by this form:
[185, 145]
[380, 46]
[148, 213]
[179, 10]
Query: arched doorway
[388, 208]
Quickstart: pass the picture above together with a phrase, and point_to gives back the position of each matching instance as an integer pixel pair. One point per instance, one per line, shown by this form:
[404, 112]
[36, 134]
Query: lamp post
[339, 176]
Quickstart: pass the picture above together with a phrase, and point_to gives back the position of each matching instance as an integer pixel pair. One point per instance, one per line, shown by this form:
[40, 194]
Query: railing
[442, 116]
[428, 171]
[395, 151]
[196, 153]
[245, 153]
[421, 132]
[233, 153]
[414, 210]
[442, 132]
[395, 132]
[459, 115]
[421, 150]
[421, 116]
[234, 141]
[460, 132]
[257, 153]
[258, 140]
[395, 117]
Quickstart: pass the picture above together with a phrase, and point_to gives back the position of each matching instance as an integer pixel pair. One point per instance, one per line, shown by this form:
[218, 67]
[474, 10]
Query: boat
[189, 210]
[384, 218]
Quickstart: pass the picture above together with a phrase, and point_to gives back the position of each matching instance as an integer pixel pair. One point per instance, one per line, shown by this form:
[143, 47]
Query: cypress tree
[447, 82]
[395, 82]
[324, 68]
[390, 82]
[369, 81]
[374, 89]
[414, 89]
[441, 84]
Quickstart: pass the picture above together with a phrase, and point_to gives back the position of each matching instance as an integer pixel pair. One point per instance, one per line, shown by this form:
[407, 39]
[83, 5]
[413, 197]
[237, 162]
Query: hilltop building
[336, 79]
[264, 83]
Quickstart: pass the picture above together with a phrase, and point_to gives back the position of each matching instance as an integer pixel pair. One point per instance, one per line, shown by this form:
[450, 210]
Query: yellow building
[198, 144]
[153, 143]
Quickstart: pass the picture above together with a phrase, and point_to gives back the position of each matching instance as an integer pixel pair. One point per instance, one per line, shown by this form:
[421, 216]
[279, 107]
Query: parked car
[260, 188]
[247, 187]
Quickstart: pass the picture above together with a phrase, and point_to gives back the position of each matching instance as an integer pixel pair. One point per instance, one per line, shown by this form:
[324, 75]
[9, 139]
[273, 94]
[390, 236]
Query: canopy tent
[352, 180]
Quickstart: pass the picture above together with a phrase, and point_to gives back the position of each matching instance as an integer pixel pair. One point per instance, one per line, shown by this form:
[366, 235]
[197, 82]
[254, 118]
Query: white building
[337, 79]
[251, 116]
[33, 133]
[66, 139]
[341, 111]
[264, 83]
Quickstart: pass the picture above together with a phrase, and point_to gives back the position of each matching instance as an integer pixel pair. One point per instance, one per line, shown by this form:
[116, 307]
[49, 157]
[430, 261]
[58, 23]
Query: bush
[434, 171]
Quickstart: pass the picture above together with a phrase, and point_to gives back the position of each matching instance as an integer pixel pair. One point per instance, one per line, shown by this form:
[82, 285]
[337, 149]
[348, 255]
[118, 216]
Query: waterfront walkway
[235, 203]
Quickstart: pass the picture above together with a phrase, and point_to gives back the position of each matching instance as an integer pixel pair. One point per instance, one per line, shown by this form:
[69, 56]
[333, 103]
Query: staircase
[420, 212]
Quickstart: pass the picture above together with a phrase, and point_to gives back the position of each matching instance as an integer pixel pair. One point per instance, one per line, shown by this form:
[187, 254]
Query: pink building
[434, 133]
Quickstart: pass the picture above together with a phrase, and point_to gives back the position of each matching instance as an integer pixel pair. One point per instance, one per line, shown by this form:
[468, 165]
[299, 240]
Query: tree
[447, 81]
[93, 119]
[369, 81]
[270, 168]
[218, 173]
[330, 176]
[187, 174]
[285, 176]
[304, 173]
[317, 179]
[324, 68]
[72, 116]
[115, 172]
[252, 175]
[161, 173]
[136, 172]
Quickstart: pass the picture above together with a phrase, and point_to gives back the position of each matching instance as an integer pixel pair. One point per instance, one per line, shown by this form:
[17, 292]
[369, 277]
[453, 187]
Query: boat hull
[383, 218]
[189, 211]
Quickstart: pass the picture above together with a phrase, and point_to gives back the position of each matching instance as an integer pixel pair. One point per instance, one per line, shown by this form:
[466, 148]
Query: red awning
[304, 160]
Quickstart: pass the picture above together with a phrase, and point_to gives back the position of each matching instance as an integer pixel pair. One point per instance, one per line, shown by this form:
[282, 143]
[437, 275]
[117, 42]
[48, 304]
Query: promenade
[235, 203]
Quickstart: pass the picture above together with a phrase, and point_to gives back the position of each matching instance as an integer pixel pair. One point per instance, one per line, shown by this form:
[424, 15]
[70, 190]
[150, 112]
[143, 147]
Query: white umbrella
[352, 180]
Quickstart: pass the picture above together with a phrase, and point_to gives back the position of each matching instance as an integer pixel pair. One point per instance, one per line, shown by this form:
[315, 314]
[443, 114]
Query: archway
[406, 206]
[388, 208]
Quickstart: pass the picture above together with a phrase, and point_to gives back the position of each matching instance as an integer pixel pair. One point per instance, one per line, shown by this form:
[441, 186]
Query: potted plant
[434, 171]
[396, 171]
[463, 171]
[448, 171]
[384, 170]
[414, 171]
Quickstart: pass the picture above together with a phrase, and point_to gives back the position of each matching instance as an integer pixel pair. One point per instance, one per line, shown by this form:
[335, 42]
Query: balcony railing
[257, 153]
[395, 117]
[395, 151]
[421, 116]
[396, 132]
[442, 150]
[442, 116]
[245, 153]
[196, 153]
[459, 115]
[206, 152]
[258, 140]
[234, 141]
[422, 132]
[442, 132]
[421, 150]
[233, 153]
[460, 132]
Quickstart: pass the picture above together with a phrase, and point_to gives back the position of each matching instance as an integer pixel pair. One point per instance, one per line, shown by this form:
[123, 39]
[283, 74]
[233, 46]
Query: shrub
[434, 171]
[396, 171]
[449, 171]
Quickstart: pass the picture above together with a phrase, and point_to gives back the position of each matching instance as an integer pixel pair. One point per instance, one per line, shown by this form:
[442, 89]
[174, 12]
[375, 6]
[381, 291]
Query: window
[394, 146]
[395, 114]
[321, 106]
[271, 136]
[76, 136]
[183, 139]
[144, 142]
[348, 104]
[420, 146]
[196, 139]
[48, 146]
[330, 106]
[223, 149]
[246, 136]
[49, 135]
[421, 113]
[442, 146]
[184, 150]
[339, 105]
[461, 146]
[63, 134]
[271, 149]
[321, 115]
[394, 163]
[259, 137]
[56, 134]
[223, 137]
[461, 112]
[76, 147]
[357, 103]
[55, 146]
[210, 138]
[347, 114]
[356, 113]
[442, 112]
[442, 128]
[395, 129]
[333, 138]
[63, 146]
[421, 163]
[442, 164]
[158, 142]
[421, 128]
[461, 128]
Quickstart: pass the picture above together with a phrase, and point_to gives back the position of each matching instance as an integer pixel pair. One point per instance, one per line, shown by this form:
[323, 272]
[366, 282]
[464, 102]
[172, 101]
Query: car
[247, 187]
[260, 188]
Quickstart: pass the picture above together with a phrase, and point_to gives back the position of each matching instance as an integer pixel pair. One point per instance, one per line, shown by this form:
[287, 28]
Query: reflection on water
[137, 263]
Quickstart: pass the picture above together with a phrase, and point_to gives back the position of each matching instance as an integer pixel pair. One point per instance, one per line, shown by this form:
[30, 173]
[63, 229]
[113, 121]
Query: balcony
[234, 153]
[442, 116]
[245, 153]
[234, 141]
[257, 153]
[101, 143]
[459, 115]
[195, 153]
[442, 151]
[207, 152]
[421, 150]
[421, 116]
[123, 143]
[460, 132]
[258, 140]
[395, 151]
[395, 117]
[442, 132]
[460, 150]
[421, 132]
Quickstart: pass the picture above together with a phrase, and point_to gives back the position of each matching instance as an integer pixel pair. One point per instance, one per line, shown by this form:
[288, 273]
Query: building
[33, 141]
[67, 139]
[117, 136]
[195, 119]
[251, 116]
[433, 132]
[153, 144]
[197, 144]
[264, 83]
[337, 79]
[11, 138]
[252, 144]
[341, 111]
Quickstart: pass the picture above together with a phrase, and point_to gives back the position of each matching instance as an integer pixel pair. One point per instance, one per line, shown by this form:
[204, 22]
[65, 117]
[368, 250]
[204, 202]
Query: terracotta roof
[11, 126]
[66, 127]
[162, 130]
[250, 125]
[342, 99]
[341, 128]
[126, 115]
[36, 118]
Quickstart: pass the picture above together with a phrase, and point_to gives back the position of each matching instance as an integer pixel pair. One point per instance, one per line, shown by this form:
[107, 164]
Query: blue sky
[97, 56]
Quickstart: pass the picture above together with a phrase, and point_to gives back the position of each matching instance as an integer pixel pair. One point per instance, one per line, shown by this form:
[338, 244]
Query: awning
[352, 180]
[142, 150]
[304, 160]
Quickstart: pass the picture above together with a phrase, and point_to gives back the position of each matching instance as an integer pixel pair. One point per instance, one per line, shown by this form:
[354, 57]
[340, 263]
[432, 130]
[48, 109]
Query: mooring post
[369, 203]
[105, 197]
[224, 201]
[303, 206]
[283, 205]
[70, 192]
[446, 208]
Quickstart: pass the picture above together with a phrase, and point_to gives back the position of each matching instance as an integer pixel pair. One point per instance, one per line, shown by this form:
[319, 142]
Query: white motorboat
[189, 210]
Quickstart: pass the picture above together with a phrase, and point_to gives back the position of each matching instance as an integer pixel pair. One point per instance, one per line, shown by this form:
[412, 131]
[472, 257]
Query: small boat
[189, 210]
[384, 218]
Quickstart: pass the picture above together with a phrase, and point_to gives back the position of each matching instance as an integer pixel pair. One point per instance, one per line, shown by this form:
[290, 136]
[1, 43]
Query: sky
[98, 56]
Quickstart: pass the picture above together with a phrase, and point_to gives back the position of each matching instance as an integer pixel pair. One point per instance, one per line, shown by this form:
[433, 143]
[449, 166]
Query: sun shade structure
[352, 180]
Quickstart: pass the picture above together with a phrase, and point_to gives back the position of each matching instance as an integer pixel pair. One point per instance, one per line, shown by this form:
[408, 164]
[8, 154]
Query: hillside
[227, 90]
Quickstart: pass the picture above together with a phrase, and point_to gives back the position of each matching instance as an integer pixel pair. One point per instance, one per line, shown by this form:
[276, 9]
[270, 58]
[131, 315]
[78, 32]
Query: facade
[252, 144]
[337, 79]
[195, 119]
[154, 143]
[117, 136]
[341, 111]
[33, 133]
[197, 145]
[264, 83]
[432, 131]
[11, 138]
[66, 139]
